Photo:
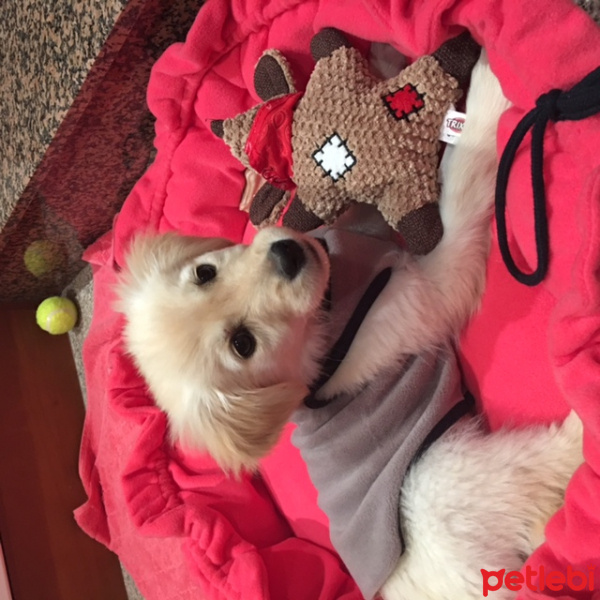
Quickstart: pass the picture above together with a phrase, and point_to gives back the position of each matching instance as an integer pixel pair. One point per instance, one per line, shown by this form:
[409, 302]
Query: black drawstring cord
[580, 102]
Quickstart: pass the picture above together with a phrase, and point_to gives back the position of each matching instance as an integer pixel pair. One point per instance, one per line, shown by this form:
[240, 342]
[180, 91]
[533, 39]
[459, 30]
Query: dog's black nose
[288, 256]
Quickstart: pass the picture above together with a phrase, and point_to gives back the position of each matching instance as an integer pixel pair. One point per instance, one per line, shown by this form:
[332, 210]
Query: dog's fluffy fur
[473, 501]
[180, 334]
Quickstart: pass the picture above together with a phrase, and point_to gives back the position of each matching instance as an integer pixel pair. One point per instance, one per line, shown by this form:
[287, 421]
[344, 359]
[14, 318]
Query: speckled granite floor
[43, 68]
[75, 131]
[81, 291]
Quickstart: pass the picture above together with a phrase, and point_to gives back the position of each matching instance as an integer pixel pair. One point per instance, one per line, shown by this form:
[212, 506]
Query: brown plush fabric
[458, 57]
[273, 76]
[217, 128]
[422, 228]
[396, 159]
[326, 42]
[297, 217]
[235, 133]
[264, 204]
[356, 138]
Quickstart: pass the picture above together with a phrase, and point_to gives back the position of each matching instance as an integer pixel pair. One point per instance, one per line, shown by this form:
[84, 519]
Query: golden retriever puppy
[226, 342]
[235, 340]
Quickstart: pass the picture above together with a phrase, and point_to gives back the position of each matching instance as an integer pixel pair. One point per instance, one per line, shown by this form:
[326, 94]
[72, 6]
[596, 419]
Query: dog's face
[227, 336]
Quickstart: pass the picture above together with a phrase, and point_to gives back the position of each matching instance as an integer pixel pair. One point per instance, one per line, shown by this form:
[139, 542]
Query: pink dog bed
[178, 524]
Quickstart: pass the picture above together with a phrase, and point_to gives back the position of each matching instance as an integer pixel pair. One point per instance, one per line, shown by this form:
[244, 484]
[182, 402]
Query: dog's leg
[429, 298]
[455, 273]
[435, 297]
[480, 501]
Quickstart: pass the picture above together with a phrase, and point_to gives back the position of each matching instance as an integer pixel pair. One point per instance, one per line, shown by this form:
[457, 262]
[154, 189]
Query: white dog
[232, 339]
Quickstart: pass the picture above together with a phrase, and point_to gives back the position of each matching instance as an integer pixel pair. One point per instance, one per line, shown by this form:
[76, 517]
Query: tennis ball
[56, 315]
[42, 257]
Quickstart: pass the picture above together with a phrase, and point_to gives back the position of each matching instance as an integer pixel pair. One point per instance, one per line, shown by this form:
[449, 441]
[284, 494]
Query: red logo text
[555, 581]
[455, 124]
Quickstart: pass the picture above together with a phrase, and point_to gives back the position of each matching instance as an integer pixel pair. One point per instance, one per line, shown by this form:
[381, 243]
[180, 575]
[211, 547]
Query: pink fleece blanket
[183, 529]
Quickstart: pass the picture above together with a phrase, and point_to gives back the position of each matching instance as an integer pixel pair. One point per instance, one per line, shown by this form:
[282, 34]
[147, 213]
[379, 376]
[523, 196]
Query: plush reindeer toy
[350, 137]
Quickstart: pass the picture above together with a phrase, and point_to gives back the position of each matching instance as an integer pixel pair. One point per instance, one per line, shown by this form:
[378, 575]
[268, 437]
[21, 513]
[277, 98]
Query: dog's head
[226, 336]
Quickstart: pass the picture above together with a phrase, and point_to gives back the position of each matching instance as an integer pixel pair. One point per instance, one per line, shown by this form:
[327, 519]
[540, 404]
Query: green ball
[56, 315]
[43, 257]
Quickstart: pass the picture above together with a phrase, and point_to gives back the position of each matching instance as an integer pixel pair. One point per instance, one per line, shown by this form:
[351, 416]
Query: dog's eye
[243, 343]
[205, 273]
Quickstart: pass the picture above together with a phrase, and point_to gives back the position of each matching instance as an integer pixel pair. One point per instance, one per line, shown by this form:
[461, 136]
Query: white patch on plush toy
[334, 157]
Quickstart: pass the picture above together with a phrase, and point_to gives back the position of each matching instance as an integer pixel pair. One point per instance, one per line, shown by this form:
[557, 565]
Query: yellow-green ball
[56, 315]
[43, 257]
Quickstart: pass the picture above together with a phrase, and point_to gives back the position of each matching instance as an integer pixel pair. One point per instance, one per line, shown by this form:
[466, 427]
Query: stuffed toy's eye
[205, 273]
[243, 343]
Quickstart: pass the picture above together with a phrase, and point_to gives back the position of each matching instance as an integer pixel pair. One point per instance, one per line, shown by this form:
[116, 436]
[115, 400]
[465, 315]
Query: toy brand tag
[452, 126]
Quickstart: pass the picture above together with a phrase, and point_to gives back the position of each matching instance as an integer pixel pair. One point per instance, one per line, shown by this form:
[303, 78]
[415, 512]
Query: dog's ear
[240, 428]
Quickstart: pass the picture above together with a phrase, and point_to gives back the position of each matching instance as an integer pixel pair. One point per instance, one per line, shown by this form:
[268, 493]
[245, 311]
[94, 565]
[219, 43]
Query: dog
[234, 341]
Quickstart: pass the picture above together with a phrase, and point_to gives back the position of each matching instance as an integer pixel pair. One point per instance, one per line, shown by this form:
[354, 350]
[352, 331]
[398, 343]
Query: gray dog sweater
[358, 447]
